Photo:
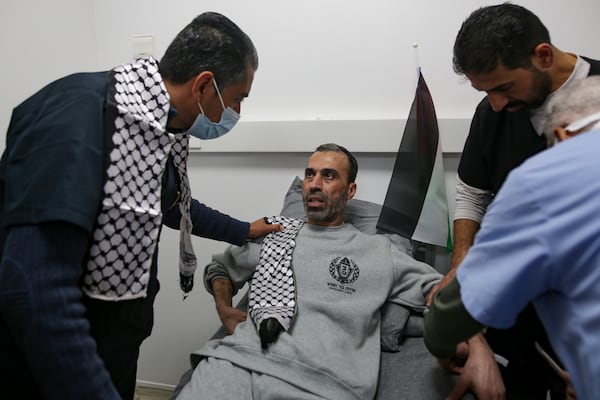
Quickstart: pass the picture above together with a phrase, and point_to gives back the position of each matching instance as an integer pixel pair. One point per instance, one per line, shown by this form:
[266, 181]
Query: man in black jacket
[505, 51]
[94, 164]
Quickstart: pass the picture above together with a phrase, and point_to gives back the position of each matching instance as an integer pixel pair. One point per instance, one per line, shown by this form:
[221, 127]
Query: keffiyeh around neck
[130, 217]
[273, 290]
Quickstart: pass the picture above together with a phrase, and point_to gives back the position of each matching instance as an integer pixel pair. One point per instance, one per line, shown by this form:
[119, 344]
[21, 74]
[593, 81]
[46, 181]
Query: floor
[144, 393]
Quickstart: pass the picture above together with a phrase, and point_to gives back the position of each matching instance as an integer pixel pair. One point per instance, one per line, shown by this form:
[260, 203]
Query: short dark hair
[352, 163]
[504, 33]
[211, 42]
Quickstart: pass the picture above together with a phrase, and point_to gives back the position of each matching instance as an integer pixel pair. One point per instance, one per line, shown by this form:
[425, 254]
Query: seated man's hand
[260, 228]
[230, 317]
[480, 372]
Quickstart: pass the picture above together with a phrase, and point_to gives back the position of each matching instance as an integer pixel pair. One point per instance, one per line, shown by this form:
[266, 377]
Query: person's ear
[200, 83]
[351, 190]
[543, 55]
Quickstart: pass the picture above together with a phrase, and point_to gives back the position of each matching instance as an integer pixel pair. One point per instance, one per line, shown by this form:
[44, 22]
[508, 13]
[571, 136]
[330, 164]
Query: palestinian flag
[415, 205]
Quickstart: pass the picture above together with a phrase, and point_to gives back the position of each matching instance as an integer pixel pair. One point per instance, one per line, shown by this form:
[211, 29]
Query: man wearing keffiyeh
[316, 290]
[95, 164]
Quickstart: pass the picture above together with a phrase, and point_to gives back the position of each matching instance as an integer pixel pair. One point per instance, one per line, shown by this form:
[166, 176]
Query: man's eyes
[328, 175]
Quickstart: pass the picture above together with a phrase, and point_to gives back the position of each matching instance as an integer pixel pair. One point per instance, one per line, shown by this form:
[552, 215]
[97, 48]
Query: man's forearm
[222, 292]
[464, 235]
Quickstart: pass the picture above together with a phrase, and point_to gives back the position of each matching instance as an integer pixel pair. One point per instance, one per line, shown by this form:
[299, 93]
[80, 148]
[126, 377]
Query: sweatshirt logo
[344, 270]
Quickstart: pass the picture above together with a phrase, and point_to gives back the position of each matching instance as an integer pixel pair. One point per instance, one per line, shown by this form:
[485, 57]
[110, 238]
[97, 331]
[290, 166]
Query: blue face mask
[203, 128]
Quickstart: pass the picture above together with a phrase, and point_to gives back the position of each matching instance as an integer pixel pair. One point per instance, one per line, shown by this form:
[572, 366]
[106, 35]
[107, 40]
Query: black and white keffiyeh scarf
[273, 290]
[130, 217]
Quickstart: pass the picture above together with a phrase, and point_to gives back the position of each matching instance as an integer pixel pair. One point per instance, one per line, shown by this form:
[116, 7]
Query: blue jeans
[46, 349]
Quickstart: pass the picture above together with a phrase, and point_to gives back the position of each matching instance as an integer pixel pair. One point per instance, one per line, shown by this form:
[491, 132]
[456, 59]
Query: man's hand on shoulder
[260, 228]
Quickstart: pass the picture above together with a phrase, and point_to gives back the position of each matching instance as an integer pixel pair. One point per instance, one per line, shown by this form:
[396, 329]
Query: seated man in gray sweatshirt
[313, 327]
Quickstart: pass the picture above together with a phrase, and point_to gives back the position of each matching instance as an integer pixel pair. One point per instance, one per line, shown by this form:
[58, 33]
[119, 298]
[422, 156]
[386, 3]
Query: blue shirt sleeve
[509, 263]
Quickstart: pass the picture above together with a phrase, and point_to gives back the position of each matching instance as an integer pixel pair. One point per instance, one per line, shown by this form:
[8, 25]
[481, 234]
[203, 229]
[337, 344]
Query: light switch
[142, 45]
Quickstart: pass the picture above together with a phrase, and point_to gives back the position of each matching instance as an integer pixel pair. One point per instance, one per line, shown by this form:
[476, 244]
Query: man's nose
[316, 182]
[497, 101]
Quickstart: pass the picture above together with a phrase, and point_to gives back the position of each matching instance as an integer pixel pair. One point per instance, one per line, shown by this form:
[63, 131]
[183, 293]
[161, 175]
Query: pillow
[364, 216]
[397, 323]
[393, 323]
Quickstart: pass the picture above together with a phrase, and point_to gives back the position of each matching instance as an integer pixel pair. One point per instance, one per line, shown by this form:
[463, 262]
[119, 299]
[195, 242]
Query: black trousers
[119, 329]
[527, 375]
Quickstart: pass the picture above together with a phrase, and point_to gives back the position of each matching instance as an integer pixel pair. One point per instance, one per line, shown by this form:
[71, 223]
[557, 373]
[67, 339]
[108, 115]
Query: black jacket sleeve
[207, 222]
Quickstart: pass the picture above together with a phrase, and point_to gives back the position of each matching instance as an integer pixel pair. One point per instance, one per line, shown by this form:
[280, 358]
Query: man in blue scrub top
[94, 164]
[539, 242]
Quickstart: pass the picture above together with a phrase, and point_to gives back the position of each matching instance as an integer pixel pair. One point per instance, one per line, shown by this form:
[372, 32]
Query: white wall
[333, 59]
[319, 60]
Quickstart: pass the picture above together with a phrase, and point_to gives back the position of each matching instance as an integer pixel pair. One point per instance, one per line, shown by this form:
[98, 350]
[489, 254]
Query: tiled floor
[144, 393]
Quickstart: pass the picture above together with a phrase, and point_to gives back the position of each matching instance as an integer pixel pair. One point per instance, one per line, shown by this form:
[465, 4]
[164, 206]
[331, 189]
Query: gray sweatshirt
[333, 345]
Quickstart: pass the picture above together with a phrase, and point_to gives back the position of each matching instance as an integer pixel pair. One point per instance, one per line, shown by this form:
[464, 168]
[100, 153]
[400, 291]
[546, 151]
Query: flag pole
[415, 205]
[415, 46]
